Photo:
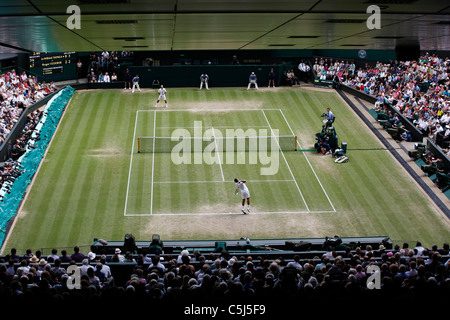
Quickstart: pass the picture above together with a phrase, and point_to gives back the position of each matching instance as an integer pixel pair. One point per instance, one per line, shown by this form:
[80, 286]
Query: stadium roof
[41, 25]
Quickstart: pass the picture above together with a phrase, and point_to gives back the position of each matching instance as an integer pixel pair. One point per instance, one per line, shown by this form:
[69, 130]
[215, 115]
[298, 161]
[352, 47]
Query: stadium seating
[424, 98]
[22, 168]
[279, 279]
[432, 166]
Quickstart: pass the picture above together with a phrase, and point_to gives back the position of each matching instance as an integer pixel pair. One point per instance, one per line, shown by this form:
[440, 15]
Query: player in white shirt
[162, 95]
[245, 193]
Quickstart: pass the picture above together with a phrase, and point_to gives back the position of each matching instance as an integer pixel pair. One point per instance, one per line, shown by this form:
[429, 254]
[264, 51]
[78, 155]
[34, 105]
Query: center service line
[218, 154]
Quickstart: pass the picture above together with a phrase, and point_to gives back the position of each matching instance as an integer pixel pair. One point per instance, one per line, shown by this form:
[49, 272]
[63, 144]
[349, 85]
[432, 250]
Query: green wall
[219, 75]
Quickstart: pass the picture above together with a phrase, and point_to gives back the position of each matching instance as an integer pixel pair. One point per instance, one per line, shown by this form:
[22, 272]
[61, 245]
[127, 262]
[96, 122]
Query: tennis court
[93, 183]
[162, 181]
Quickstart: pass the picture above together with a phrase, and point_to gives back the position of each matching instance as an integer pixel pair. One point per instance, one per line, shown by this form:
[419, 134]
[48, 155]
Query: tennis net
[221, 144]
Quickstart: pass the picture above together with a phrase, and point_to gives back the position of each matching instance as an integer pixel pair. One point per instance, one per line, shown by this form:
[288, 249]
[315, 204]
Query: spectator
[419, 249]
[58, 270]
[445, 118]
[286, 79]
[406, 136]
[54, 255]
[293, 79]
[422, 125]
[28, 254]
[77, 256]
[92, 77]
[24, 267]
[118, 255]
[181, 255]
[93, 279]
[106, 78]
[436, 130]
[85, 266]
[91, 256]
[64, 257]
[105, 59]
[11, 269]
[99, 273]
[157, 265]
[13, 255]
[129, 257]
[105, 268]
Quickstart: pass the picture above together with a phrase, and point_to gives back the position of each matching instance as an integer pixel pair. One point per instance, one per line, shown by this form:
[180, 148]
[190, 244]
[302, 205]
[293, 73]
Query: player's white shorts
[162, 97]
[245, 194]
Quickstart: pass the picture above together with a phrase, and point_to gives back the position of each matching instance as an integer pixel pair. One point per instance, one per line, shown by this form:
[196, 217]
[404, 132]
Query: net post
[296, 143]
[139, 145]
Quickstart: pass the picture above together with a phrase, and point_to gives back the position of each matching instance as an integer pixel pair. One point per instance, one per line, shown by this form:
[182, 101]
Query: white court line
[153, 163]
[298, 188]
[218, 154]
[223, 213]
[318, 180]
[201, 110]
[212, 181]
[208, 127]
[131, 162]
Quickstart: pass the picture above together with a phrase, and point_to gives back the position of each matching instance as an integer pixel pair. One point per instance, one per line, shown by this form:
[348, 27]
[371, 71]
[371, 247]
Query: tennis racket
[236, 192]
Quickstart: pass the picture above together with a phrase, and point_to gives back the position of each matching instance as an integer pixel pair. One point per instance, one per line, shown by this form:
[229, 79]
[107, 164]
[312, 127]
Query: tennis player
[162, 95]
[245, 193]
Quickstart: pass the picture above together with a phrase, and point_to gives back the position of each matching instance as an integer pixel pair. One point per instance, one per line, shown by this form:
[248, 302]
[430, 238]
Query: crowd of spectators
[94, 78]
[17, 93]
[290, 78]
[419, 90]
[10, 170]
[406, 274]
[102, 65]
[329, 68]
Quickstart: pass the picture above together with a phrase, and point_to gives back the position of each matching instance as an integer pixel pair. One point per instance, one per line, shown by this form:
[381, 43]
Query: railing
[5, 148]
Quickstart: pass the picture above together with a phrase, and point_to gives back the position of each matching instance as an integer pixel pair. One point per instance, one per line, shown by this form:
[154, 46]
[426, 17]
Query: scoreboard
[53, 66]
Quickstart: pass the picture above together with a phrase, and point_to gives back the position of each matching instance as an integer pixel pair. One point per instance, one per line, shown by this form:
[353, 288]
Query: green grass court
[174, 188]
[94, 184]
